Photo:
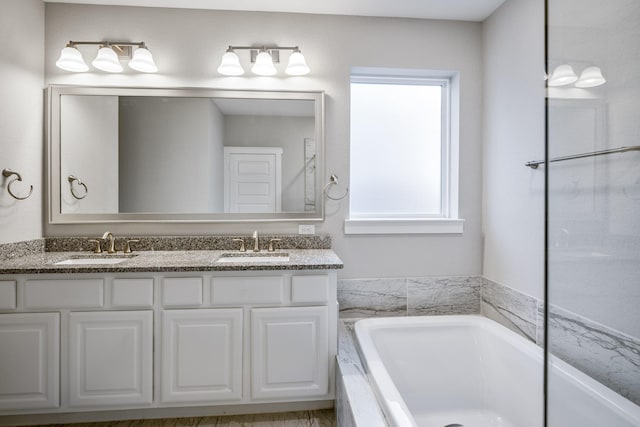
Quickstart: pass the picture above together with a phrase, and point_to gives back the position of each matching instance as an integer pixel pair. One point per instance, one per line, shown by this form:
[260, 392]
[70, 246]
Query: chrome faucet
[256, 248]
[111, 248]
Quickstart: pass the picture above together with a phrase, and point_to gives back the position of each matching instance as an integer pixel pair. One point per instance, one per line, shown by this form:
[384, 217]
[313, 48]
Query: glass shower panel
[593, 253]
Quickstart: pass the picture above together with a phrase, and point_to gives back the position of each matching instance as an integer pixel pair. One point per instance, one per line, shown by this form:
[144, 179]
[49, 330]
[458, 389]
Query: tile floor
[320, 418]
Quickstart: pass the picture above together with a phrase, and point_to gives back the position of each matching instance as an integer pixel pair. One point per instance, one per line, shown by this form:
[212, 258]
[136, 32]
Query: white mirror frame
[53, 178]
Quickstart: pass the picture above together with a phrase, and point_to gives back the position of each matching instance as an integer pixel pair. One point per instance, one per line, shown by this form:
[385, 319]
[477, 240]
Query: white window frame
[447, 222]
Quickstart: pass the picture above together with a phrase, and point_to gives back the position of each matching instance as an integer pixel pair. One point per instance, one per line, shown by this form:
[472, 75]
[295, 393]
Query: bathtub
[437, 371]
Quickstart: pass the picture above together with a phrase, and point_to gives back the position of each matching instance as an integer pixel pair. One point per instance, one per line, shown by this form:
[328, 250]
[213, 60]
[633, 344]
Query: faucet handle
[271, 242]
[242, 248]
[97, 249]
[127, 247]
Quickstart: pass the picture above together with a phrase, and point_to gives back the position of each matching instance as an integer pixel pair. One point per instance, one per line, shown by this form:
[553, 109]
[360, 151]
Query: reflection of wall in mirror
[89, 129]
[171, 155]
[276, 131]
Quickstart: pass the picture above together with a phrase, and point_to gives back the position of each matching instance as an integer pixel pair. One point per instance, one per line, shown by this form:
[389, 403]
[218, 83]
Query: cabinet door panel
[29, 360]
[110, 358]
[201, 355]
[289, 352]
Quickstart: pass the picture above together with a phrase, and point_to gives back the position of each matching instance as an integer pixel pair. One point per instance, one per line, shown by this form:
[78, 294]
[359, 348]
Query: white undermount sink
[93, 261]
[248, 257]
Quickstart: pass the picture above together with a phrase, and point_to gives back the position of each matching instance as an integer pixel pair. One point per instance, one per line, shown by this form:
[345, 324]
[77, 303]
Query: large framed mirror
[183, 155]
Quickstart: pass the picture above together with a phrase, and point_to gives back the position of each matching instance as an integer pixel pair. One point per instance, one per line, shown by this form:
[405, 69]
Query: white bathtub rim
[629, 410]
[392, 402]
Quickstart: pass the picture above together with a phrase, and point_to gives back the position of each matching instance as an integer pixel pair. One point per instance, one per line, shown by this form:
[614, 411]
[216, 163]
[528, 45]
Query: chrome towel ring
[7, 173]
[71, 180]
[333, 180]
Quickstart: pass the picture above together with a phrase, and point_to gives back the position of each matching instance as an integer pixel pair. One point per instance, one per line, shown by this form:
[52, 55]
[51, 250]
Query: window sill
[404, 226]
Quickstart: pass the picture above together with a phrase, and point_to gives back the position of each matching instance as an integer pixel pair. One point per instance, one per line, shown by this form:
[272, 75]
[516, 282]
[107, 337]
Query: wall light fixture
[263, 59]
[108, 57]
[564, 75]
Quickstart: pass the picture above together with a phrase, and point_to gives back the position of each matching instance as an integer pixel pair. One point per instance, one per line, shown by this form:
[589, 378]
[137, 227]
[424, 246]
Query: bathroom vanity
[164, 330]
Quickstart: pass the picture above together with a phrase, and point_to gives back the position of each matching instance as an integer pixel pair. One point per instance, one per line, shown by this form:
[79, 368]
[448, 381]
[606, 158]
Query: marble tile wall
[356, 404]
[610, 357]
[510, 308]
[409, 296]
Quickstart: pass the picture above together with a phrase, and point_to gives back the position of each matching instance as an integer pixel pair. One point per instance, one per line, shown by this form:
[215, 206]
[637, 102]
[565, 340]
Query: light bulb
[562, 75]
[591, 77]
[143, 61]
[71, 60]
[264, 65]
[107, 60]
[297, 65]
[230, 64]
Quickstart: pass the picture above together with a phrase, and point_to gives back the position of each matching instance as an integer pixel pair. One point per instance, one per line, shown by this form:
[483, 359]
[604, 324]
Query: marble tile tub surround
[189, 243]
[19, 249]
[510, 308]
[610, 357]
[356, 403]
[414, 296]
[606, 355]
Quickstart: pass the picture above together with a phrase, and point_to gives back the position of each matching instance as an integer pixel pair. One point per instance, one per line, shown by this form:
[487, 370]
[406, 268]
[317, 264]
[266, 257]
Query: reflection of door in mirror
[90, 153]
[252, 179]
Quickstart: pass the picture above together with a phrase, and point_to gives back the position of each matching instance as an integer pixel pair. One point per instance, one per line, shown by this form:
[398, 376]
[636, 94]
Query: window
[403, 154]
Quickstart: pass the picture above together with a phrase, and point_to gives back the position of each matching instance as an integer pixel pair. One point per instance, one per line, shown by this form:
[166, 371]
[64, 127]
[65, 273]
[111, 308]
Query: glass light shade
[591, 77]
[297, 65]
[230, 64]
[71, 60]
[107, 60]
[143, 61]
[264, 65]
[562, 75]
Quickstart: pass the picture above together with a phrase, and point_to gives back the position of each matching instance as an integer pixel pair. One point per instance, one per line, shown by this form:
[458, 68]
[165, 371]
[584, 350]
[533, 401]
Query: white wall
[21, 101]
[276, 131]
[188, 45]
[513, 195]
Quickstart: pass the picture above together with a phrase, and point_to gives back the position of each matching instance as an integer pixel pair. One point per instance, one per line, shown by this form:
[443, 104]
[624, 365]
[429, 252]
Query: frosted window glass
[396, 150]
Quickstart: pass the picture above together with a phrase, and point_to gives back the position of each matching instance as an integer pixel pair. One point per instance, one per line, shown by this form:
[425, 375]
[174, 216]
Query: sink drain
[454, 425]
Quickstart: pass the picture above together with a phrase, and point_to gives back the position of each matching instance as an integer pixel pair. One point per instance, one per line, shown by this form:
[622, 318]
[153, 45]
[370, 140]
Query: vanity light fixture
[263, 59]
[108, 57]
[263, 66]
[107, 60]
[230, 65]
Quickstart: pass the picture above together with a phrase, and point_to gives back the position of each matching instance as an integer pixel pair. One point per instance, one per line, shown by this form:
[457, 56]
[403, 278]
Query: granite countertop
[165, 261]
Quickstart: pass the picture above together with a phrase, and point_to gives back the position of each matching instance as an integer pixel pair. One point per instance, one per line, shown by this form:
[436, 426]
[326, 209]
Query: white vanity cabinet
[289, 352]
[29, 360]
[201, 355]
[110, 358]
[212, 342]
